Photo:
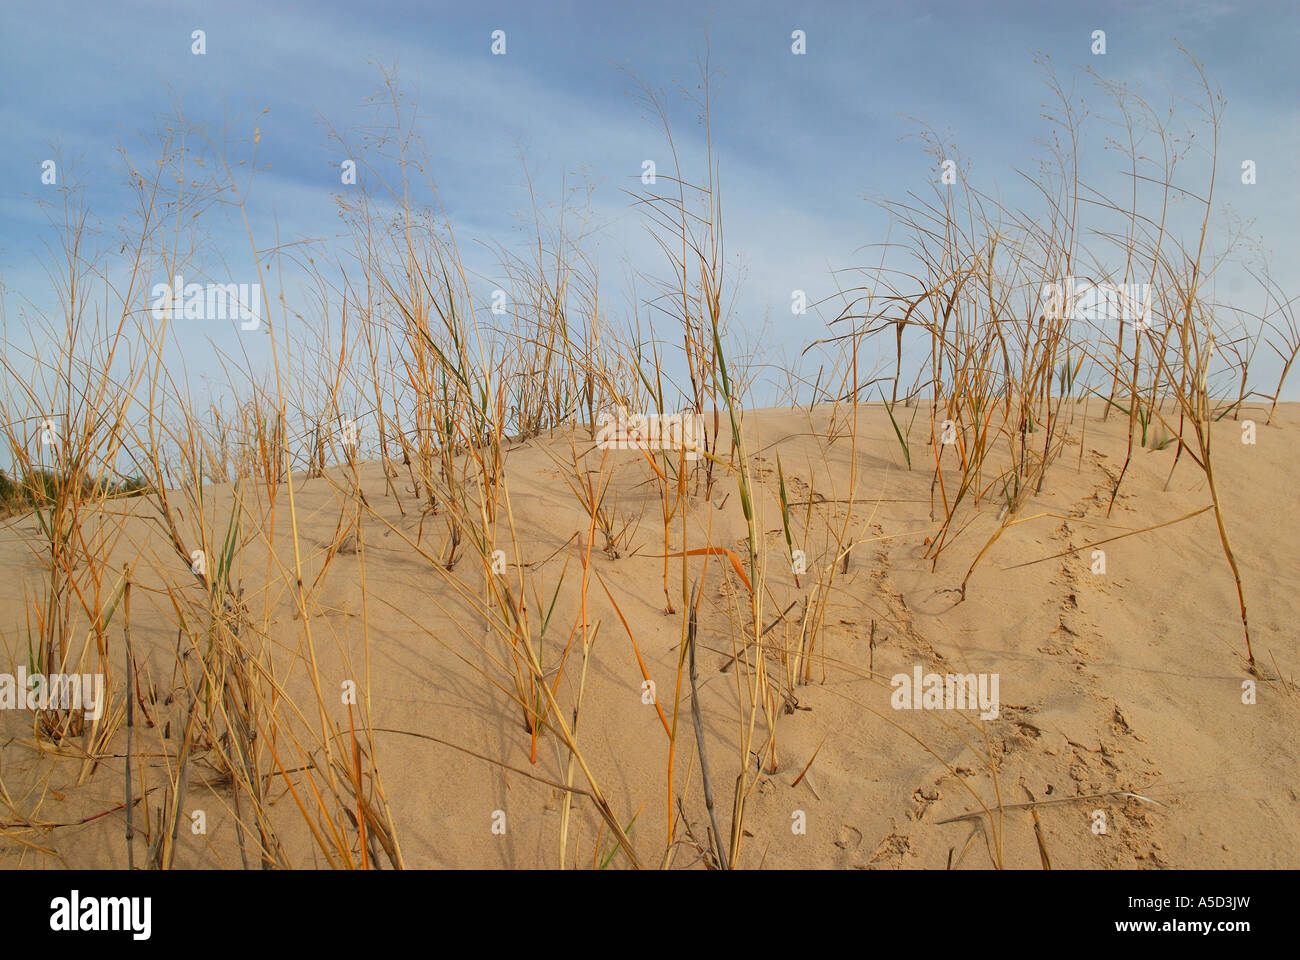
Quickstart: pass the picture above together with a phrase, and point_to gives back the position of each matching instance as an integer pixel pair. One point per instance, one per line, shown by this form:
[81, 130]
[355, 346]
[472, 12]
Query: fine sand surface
[1129, 680]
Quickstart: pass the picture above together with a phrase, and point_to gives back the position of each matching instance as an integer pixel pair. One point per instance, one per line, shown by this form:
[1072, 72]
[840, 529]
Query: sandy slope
[1128, 680]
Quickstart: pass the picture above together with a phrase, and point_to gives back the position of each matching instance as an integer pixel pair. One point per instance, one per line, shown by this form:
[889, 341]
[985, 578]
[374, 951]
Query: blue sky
[803, 141]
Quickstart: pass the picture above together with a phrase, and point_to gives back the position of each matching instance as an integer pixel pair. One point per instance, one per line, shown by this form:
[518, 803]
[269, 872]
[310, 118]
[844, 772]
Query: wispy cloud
[802, 139]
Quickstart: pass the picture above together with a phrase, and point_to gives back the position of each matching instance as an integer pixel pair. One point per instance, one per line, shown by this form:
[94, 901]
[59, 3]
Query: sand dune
[1120, 693]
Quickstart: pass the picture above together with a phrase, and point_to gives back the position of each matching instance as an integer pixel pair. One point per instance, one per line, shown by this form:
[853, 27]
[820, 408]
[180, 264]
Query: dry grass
[440, 390]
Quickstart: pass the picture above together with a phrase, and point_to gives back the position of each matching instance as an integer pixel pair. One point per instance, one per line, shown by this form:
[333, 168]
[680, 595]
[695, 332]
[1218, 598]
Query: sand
[1123, 682]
